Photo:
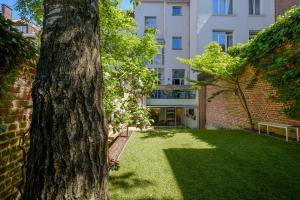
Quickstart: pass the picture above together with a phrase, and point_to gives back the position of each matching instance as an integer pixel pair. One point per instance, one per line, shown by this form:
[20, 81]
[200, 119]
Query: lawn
[201, 164]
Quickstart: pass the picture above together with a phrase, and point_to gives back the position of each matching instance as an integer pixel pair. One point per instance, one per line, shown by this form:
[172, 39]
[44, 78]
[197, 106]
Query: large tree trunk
[68, 139]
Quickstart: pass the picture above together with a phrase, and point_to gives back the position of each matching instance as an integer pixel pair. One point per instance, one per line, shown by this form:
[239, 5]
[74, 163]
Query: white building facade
[186, 27]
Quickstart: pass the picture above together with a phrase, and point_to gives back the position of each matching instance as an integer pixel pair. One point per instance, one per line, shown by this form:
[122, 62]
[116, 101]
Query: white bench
[279, 125]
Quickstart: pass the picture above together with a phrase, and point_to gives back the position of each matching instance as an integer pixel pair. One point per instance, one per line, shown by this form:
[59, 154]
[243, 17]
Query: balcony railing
[173, 94]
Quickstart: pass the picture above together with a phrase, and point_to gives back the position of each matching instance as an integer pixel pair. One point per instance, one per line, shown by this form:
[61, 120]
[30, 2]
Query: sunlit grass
[189, 164]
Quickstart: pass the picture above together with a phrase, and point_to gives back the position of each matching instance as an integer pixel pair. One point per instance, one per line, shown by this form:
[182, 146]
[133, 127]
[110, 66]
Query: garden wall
[15, 117]
[284, 5]
[225, 110]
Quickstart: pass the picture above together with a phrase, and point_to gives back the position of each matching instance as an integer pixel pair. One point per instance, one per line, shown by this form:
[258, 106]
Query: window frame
[253, 34]
[219, 9]
[254, 8]
[174, 38]
[149, 17]
[176, 7]
[180, 79]
[227, 34]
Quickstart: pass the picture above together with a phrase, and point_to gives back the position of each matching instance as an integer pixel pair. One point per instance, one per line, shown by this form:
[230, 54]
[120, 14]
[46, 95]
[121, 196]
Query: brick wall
[15, 116]
[284, 5]
[226, 111]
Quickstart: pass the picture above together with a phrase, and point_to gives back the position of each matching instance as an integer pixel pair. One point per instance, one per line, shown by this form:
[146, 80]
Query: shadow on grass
[129, 180]
[242, 166]
[161, 133]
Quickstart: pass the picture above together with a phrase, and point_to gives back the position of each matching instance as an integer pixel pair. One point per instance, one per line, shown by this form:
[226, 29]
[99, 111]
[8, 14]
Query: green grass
[223, 164]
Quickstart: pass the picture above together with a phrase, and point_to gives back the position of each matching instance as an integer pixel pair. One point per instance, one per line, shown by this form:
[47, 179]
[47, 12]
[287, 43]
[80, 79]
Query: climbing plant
[275, 53]
[18, 54]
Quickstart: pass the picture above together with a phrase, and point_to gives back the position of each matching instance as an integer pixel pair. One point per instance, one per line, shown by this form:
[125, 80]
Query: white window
[150, 22]
[178, 76]
[252, 34]
[224, 38]
[222, 7]
[254, 7]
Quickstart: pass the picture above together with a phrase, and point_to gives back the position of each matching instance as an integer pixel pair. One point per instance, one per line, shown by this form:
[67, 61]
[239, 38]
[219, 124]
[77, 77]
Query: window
[173, 94]
[178, 76]
[254, 7]
[159, 59]
[224, 38]
[22, 29]
[160, 75]
[222, 7]
[176, 11]
[150, 22]
[252, 34]
[176, 43]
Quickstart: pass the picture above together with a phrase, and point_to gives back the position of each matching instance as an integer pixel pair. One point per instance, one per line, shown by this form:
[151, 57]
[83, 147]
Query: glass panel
[160, 75]
[229, 7]
[150, 22]
[225, 39]
[159, 59]
[173, 94]
[178, 73]
[222, 7]
[229, 40]
[215, 7]
[176, 42]
[257, 7]
[252, 34]
[251, 7]
[176, 11]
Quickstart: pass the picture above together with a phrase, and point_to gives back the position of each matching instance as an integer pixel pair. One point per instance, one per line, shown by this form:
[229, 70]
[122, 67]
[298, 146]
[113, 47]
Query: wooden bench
[279, 125]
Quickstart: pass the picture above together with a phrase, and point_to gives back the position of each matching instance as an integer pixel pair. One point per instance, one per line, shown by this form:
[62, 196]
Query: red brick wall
[15, 117]
[284, 5]
[226, 111]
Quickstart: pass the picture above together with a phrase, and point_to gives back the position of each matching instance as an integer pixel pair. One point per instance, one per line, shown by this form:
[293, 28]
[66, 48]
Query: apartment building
[186, 27]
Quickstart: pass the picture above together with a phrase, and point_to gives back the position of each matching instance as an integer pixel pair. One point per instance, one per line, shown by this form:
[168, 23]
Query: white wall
[240, 22]
[169, 26]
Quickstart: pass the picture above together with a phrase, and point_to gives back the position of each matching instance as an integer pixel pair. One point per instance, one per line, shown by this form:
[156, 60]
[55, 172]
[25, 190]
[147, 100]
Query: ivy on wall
[15, 50]
[275, 53]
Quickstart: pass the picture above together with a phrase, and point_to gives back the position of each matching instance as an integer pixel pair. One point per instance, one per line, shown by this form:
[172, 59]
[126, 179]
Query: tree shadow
[128, 180]
[242, 166]
[161, 133]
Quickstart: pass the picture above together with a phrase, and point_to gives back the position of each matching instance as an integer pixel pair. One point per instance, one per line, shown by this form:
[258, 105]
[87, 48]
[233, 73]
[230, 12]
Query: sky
[125, 5]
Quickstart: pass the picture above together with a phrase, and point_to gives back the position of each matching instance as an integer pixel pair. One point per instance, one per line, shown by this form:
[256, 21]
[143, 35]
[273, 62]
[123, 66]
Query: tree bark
[68, 138]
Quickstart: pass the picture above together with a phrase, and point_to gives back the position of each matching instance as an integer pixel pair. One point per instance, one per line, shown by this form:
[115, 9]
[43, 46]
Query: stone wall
[226, 111]
[15, 117]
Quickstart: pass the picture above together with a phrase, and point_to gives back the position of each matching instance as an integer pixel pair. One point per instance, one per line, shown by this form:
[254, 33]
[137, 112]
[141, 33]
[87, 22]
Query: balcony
[173, 98]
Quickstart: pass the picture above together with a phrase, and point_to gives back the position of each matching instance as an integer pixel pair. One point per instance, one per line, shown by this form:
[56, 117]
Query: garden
[206, 164]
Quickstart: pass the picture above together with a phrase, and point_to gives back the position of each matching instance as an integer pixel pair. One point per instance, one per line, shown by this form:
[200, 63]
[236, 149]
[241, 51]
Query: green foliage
[275, 53]
[216, 63]
[14, 49]
[224, 68]
[32, 9]
[124, 58]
